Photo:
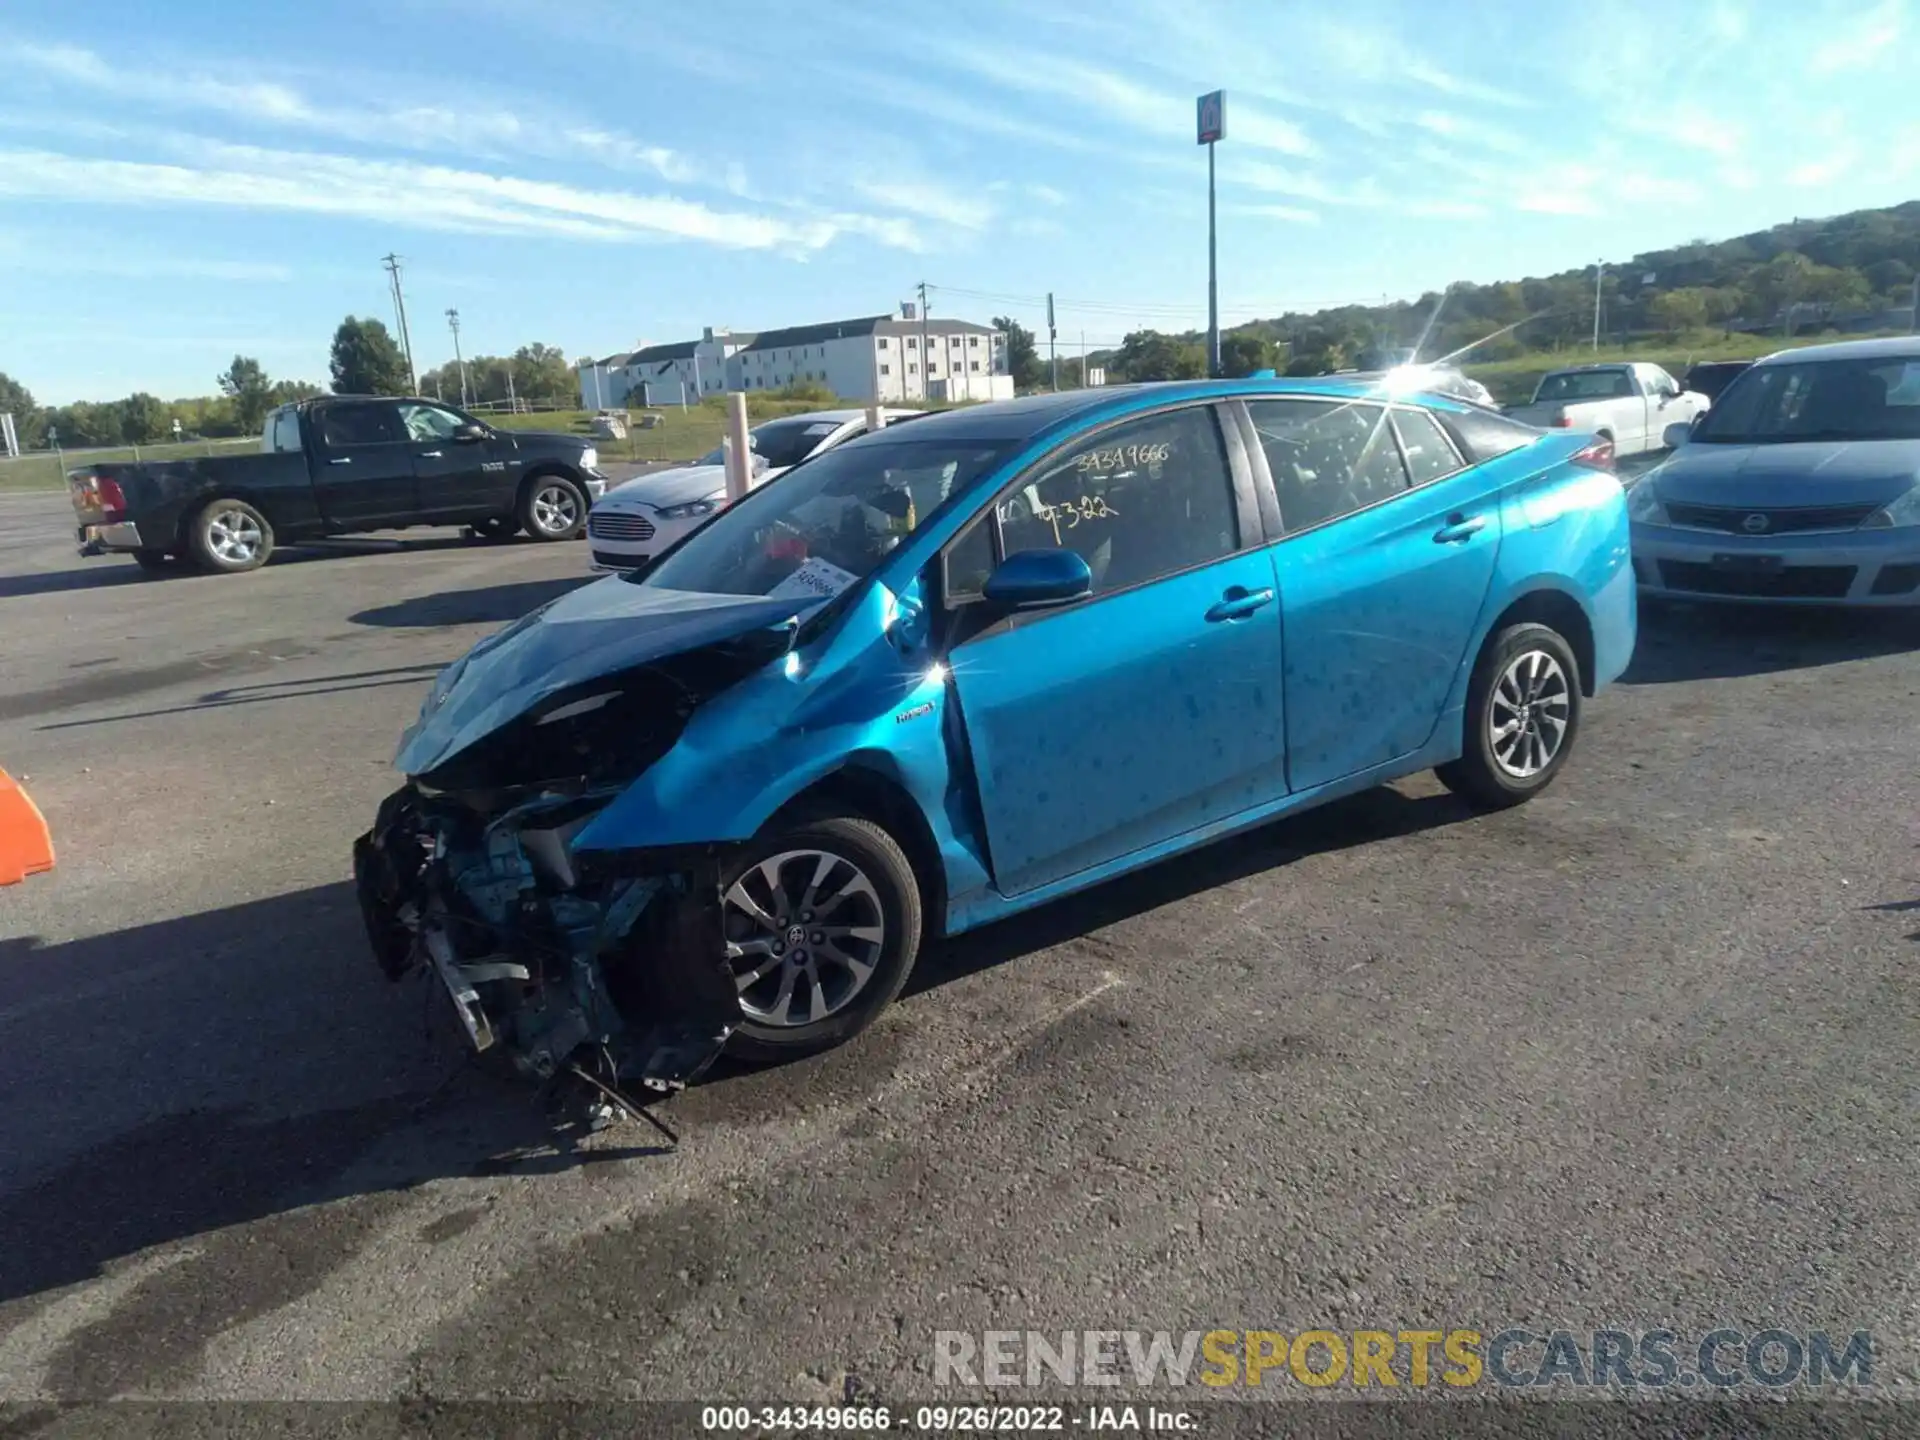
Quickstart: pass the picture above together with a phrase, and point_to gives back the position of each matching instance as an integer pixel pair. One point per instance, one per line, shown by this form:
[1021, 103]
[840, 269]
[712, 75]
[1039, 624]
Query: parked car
[339, 465]
[1412, 376]
[959, 668]
[1710, 377]
[1631, 405]
[639, 519]
[1801, 486]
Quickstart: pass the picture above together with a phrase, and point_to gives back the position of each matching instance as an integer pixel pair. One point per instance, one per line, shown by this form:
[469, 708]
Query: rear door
[362, 464]
[1386, 557]
[457, 479]
[1153, 706]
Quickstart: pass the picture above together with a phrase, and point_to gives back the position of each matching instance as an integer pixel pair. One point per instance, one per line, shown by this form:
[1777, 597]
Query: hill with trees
[1851, 272]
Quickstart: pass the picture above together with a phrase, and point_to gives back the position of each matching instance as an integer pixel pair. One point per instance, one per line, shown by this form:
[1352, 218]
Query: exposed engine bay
[603, 970]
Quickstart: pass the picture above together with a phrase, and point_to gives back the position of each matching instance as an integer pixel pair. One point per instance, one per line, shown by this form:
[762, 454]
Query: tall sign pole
[1212, 129]
[1053, 346]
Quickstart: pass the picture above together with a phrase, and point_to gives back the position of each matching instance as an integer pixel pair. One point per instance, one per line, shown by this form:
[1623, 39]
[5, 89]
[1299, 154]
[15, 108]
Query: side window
[1486, 436]
[343, 425]
[1136, 502]
[1328, 458]
[283, 435]
[429, 422]
[1429, 453]
[969, 562]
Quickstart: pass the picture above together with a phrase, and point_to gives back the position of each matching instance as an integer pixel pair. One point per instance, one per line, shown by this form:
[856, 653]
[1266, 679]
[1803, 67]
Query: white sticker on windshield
[816, 580]
[826, 429]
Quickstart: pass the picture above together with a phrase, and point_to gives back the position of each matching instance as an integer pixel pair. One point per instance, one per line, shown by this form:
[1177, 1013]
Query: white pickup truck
[1632, 405]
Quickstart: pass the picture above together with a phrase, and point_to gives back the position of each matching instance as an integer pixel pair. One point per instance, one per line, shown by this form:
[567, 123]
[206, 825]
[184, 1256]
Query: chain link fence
[47, 469]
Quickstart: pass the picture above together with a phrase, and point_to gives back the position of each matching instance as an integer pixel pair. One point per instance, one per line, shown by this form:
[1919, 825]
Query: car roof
[839, 417]
[1032, 416]
[1891, 347]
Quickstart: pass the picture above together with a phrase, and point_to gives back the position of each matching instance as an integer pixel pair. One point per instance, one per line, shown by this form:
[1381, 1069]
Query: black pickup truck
[340, 465]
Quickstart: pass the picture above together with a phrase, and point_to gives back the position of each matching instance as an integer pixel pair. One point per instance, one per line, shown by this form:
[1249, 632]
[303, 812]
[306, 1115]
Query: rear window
[1482, 435]
[1585, 385]
[283, 433]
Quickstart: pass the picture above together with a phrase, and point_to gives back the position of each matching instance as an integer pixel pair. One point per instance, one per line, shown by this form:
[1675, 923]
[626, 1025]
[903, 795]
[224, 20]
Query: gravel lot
[1639, 1053]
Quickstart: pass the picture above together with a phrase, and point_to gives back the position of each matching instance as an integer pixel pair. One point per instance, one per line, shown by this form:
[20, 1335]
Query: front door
[1381, 581]
[362, 465]
[1153, 706]
[458, 479]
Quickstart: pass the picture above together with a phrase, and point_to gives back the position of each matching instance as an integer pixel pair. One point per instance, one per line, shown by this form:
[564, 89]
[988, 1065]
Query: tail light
[1597, 456]
[97, 494]
[1562, 422]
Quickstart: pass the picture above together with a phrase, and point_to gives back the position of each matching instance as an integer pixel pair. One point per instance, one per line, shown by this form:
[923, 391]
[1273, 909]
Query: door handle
[341, 460]
[429, 454]
[1238, 603]
[1458, 528]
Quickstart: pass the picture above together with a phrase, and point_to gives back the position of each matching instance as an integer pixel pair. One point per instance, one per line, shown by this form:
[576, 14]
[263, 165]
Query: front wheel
[1523, 712]
[822, 925]
[553, 508]
[229, 536]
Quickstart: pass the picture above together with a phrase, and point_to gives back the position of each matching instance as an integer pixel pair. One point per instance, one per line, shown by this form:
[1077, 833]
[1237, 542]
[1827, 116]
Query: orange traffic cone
[26, 848]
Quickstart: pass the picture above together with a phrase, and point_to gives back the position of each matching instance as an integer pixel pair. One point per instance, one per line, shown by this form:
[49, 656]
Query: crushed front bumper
[618, 979]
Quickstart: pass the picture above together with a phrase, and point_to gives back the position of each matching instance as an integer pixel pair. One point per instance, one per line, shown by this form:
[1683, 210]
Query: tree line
[364, 360]
[1803, 277]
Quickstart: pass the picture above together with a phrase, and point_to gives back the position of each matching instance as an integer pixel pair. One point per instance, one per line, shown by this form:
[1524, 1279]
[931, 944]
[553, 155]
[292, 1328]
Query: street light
[1212, 128]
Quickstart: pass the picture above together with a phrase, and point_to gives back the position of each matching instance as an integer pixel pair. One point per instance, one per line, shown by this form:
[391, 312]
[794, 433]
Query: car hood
[602, 629]
[1828, 472]
[555, 440]
[666, 487]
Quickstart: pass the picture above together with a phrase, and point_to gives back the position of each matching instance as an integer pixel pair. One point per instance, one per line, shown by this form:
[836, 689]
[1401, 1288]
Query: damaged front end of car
[604, 971]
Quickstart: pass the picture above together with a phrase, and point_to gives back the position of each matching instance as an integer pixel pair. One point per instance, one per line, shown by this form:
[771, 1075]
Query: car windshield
[1817, 400]
[1585, 385]
[781, 444]
[829, 524]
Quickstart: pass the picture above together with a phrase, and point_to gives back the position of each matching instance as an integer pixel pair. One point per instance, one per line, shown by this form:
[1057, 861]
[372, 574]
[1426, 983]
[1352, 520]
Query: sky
[183, 182]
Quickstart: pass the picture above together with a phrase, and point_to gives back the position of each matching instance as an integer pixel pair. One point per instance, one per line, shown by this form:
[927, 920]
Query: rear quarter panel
[162, 496]
[1565, 530]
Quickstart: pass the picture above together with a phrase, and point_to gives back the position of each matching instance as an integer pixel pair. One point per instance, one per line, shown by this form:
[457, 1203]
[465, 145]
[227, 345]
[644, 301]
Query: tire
[553, 507]
[1523, 664]
[497, 530]
[888, 903]
[228, 537]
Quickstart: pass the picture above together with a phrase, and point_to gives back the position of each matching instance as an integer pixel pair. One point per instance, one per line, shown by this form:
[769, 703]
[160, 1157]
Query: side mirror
[470, 432]
[1038, 579]
[1678, 433]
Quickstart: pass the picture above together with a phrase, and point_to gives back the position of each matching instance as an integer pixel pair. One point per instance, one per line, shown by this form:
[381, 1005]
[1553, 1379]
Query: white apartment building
[662, 374]
[883, 358]
[892, 357]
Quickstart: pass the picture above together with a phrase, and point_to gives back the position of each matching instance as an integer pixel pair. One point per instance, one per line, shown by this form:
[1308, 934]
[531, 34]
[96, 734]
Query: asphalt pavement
[1636, 1054]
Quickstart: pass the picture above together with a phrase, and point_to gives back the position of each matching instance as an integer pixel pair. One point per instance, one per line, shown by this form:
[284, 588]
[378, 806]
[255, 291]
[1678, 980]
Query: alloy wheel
[804, 932]
[556, 509]
[1528, 715]
[234, 536]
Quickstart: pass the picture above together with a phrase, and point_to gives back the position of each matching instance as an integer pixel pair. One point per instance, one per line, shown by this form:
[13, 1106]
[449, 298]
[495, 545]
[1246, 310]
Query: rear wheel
[1523, 713]
[552, 507]
[822, 924]
[229, 536]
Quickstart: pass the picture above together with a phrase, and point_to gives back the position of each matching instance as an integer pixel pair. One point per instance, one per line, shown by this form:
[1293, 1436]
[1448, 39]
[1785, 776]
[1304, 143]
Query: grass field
[44, 471]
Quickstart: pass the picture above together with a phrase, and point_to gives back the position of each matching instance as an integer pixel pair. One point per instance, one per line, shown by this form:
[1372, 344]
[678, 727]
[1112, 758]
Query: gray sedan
[1800, 486]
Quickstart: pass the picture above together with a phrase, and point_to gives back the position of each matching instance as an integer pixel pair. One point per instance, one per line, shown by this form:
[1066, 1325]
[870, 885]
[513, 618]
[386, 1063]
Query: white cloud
[1302, 184]
[485, 129]
[1557, 200]
[1293, 214]
[1472, 132]
[424, 196]
[1045, 194]
[1727, 21]
[1433, 77]
[928, 200]
[1866, 40]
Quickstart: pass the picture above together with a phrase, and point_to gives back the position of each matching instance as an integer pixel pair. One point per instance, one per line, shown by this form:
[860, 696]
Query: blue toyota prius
[961, 667]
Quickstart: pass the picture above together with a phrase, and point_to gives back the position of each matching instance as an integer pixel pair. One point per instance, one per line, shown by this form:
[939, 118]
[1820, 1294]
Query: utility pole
[391, 263]
[513, 404]
[453, 324]
[1599, 273]
[1212, 128]
[1053, 349]
[926, 355]
[1913, 322]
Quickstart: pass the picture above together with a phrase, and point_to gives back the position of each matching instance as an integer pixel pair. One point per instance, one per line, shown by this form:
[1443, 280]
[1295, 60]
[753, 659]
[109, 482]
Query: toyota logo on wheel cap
[1754, 524]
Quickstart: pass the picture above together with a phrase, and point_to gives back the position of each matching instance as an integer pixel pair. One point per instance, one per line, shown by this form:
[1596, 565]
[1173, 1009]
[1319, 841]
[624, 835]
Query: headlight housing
[1901, 513]
[590, 458]
[1643, 504]
[689, 510]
